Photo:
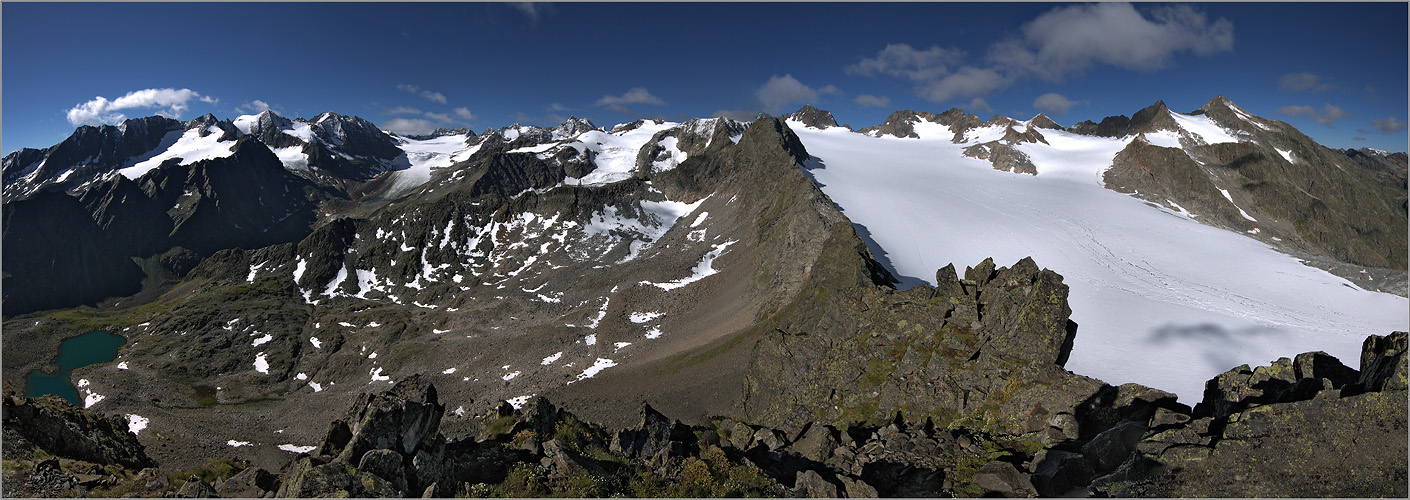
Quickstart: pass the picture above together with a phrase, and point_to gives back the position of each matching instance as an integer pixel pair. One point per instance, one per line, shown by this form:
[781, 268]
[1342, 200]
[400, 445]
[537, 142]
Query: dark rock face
[52, 424]
[1003, 156]
[90, 152]
[1008, 324]
[812, 117]
[252, 482]
[404, 419]
[1042, 121]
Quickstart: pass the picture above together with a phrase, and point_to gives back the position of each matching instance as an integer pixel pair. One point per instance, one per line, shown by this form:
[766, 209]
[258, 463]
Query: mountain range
[267, 271]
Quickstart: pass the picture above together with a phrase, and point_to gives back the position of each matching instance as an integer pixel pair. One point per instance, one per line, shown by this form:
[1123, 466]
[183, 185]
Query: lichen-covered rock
[312, 477]
[812, 485]
[651, 435]
[253, 482]
[1383, 365]
[1004, 479]
[60, 428]
[405, 419]
[195, 487]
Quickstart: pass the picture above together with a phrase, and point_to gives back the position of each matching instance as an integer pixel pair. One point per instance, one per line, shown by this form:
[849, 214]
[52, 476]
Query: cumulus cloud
[435, 97]
[253, 107]
[637, 95]
[1072, 39]
[1387, 125]
[409, 126]
[1298, 82]
[966, 82]
[873, 101]
[168, 102]
[1358, 138]
[428, 122]
[781, 91]
[744, 115]
[979, 105]
[1055, 104]
[901, 60]
[1325, 116]
[531, 10]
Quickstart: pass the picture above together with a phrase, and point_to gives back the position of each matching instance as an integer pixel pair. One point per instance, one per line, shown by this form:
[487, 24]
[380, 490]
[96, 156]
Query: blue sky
[1337, 71]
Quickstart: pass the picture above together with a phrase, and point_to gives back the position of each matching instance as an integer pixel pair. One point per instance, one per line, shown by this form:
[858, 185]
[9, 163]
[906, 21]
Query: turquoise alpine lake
[97, 346]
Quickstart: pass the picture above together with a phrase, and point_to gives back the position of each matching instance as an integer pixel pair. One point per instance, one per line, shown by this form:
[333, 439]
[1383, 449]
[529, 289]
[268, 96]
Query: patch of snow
[377, 375]
[297, 449]
[122, 365]
[617, 346]
[1287, 155]
[317, 344]
[448, 371]
[459, 411]
[1236, 205]
[92, 399]
[301, 376]
[236, 444]
[293, 157]
[519, 402]
[642, 317]
[590, 339]
[260, 341]
[1201, 126]
[674, 156]
[552, 359]
[190, 148]
[510, 376]
[299, 269]
[597, 367]
[702, 269]
[615, 153]
[316, 386]
[135, 423]
[1163, 138]
[261, 364]
[654, 332]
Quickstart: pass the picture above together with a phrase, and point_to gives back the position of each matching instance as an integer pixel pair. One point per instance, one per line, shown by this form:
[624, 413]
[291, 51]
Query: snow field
[1160, 299]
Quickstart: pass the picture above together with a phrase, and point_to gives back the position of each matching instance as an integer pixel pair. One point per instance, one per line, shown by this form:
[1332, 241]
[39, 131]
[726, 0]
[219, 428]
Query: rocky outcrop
[1003, 156]
[52, 424]
[811, 117]
[388, 444]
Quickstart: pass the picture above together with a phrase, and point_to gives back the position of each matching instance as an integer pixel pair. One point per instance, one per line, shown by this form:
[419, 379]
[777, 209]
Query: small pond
[96, 346]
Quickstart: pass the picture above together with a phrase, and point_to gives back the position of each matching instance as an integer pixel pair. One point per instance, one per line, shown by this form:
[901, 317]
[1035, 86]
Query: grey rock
[813, 485]
[195, 487]
[1113, 446]
[1005, 479]
[386, 464]
[1060, 472]
[816, 444]
[253, 482]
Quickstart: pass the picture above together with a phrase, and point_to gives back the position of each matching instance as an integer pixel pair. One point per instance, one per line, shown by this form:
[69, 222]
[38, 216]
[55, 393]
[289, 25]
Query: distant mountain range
[784, 270]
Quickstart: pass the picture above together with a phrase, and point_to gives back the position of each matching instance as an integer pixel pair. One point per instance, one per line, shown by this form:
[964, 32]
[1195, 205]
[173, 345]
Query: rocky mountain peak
[812, 117]
[572, 127]
[1042, 121]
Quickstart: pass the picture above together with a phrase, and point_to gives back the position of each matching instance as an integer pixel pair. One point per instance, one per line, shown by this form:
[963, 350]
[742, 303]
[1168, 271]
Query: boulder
[1059, 472]
[857, 488]
[651, 435]
[195, 487]
[816, 444]
[253, 482]
[403, 419]
[812, 485]
[1383, 365]
[1113, 446]
[1003, 478]
[386, 464]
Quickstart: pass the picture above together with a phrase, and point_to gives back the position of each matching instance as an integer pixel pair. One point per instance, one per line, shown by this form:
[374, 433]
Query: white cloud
[1328, 114]
[872, 101]
[1055, 104]
[532, 10]
[637, 95]
[253, 107]
[403, 110]
[781, 91]
[966, 82]
[439, 117]
[169, 102]
[464, 113]
[978, 105]
[902, 60]
[435, 97]
[409, 126]
[1388, 125]
[1298, 82]
[1072, 39]
[744, 115]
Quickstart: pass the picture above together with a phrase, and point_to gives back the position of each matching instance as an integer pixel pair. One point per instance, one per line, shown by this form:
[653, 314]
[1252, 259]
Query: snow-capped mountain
[307, 259]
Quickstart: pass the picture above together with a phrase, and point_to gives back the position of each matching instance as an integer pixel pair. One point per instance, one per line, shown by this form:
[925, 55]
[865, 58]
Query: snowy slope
[427, 155]
[1160, 299]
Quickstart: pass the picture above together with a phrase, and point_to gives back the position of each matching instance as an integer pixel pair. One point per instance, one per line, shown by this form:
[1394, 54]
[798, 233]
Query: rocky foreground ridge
[992, 415]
